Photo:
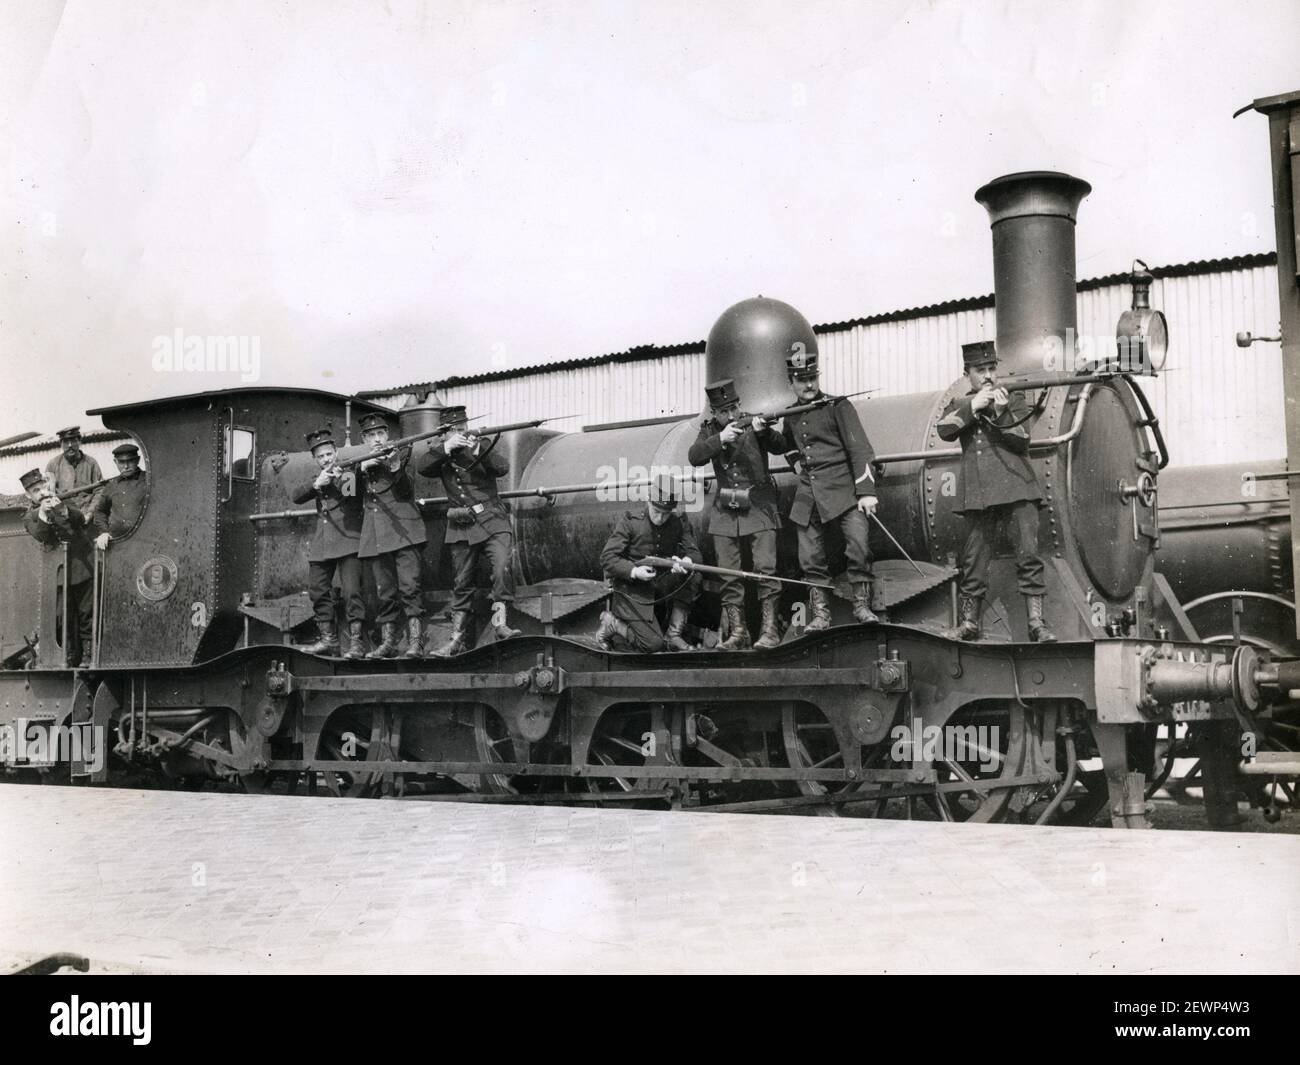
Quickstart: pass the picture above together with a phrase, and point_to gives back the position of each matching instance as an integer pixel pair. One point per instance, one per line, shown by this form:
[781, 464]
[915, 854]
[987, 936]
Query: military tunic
[834, 459]
[72, 529]
[67, 475]
[636, 537]
[996, 486]
[392, 534]
[120, 504]
[742, 465]
[333, 550]
[477, 519]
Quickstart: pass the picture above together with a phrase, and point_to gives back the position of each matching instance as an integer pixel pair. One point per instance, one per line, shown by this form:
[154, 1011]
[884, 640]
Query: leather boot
[819, 604]
[862, 612]
[737, 631]
[969, 610]
[769, 635]
[610, 627]
[675, 637]
[328, 644]
[459, 640]
[354, 641]
[414, 638]
[388, 646]
[503, 631]
[1038, 630]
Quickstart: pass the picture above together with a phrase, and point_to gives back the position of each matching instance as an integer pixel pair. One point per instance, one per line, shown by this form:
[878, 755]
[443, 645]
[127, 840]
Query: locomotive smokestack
[1032, 216]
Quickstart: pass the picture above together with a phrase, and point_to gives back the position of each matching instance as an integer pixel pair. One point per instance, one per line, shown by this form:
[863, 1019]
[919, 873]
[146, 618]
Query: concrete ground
[183, 882]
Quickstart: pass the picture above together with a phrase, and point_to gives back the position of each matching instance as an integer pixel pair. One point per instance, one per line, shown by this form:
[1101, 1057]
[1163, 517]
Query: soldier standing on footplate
[836, 484]
[392, 538]
[996, 486]
[52, 521]
[333, 550]
[477, 524]
[744, 508]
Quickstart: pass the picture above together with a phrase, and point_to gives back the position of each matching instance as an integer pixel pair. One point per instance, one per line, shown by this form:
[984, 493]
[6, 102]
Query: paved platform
[231, 883]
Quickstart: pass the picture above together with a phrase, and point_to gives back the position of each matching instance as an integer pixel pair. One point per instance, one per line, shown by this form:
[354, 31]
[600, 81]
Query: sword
[896, 543]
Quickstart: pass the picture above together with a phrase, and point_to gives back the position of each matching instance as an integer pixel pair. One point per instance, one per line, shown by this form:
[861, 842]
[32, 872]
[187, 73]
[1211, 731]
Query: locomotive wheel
[493, 743]
[348, 737]
[983, 799]
[811, 743]
[630, 736]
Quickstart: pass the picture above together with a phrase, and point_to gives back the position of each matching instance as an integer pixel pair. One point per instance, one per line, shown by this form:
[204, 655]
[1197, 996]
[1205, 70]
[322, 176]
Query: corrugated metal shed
[1216, 402]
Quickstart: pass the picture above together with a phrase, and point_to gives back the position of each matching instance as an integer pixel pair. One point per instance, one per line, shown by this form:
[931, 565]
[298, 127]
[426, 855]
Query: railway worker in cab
[744, 508]
[333, 550]
[478, 524]
[836, 486]
[52, 521]
[996, 487]
[120, 505]
[658, 529]
[72, 468]
[392, 536]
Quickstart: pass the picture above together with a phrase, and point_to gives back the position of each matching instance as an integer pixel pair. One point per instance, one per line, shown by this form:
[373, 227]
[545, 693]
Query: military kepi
[980, 353]
[373, 420]
[722, 394]
[31, 479]
[802, 362]
[317, 437]
[662, 492]
[453, 415]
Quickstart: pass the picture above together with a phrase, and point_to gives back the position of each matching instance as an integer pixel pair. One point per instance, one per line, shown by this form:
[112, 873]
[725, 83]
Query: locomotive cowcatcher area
[167, 882]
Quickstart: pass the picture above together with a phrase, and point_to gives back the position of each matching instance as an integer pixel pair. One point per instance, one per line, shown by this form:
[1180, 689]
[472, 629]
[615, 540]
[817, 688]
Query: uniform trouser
[982, 526]
[320, 585]
[762, 546]
[643, 626]
[397, 579]
[464, 565]
[812, 547]
[81, 621]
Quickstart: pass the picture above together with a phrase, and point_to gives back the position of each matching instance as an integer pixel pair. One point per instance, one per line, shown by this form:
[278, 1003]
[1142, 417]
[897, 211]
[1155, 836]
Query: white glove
[101, 541]
[643, 573]
[867, 504]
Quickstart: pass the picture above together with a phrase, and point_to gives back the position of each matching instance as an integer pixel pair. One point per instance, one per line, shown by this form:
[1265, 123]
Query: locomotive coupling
[1170, 679]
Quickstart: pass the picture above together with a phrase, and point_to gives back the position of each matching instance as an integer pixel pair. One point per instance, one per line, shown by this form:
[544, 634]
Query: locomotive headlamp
[1142, 335]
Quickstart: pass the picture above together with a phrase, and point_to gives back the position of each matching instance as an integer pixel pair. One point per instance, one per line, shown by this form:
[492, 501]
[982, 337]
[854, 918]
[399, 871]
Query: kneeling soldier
[744, 508]
[477, 522]
[51, 521]
[339, 518]
[655, 530]
[392, 534]
[835, 485]
[997, 485]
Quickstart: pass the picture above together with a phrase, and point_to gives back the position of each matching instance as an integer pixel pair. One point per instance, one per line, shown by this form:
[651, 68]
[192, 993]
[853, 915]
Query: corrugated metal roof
[647, 352]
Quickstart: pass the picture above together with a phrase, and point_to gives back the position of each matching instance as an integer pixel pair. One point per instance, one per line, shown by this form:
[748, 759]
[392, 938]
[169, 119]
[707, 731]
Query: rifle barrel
[85, 488]
[668, 563]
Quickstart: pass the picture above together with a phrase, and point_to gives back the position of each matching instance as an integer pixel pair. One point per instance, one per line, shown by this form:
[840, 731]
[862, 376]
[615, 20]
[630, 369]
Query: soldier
[477, 523]
[120, 504]
[657, 529]
[835, 485]
[997, 486]
[333, 550]
[53, 521]
[392, 535]
[73, 468]
[744, 508]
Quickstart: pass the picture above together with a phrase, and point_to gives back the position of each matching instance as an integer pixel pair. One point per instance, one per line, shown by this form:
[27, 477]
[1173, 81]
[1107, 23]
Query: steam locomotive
[194, 673]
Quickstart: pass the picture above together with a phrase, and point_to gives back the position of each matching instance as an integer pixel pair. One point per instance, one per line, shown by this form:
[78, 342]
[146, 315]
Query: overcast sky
[390, 192]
